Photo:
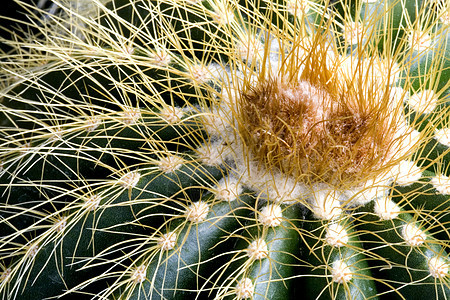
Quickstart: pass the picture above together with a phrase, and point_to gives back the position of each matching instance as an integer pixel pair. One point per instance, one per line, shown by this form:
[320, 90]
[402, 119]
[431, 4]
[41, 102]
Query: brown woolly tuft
[321, 123]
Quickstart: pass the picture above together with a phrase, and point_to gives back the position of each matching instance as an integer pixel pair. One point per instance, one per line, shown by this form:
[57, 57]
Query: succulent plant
[187, 149]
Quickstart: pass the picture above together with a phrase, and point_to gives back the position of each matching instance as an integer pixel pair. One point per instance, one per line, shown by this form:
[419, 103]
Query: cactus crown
[319, 123]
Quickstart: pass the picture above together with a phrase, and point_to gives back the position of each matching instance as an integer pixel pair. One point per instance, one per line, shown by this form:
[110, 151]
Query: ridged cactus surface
[225, 149]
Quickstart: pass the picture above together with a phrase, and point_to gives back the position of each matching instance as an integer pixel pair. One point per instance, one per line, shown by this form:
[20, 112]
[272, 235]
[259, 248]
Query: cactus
[181, 149]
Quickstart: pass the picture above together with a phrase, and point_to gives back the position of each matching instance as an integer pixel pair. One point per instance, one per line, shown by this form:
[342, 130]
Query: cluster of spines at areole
[149, 150]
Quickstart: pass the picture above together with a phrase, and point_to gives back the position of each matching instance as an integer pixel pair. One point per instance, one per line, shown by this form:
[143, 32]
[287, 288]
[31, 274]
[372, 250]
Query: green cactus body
[227, 150]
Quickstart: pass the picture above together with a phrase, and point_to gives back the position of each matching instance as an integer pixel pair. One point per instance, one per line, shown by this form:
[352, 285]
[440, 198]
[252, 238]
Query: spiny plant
[175, 149]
